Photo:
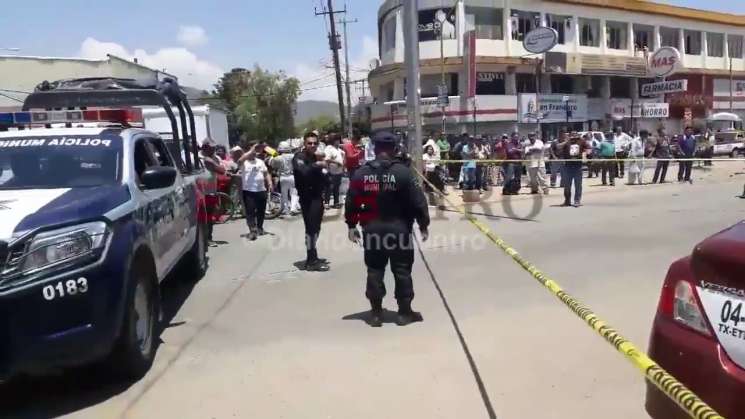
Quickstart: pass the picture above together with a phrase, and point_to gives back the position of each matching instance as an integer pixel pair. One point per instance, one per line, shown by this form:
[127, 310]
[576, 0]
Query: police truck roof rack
[113, 92]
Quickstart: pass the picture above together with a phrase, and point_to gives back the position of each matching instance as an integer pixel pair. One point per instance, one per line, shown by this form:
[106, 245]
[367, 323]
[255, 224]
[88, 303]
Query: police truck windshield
[50, 163]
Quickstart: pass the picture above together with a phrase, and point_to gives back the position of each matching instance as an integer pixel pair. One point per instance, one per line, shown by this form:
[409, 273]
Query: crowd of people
[478, 163]
[383, 200]
[258, 170]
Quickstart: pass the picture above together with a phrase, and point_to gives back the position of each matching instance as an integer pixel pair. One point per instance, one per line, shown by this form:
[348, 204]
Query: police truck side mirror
[158, 177]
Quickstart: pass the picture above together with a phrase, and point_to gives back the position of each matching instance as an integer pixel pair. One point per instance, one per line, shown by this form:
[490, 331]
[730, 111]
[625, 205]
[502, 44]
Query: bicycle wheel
[225, 207]
[273, 206]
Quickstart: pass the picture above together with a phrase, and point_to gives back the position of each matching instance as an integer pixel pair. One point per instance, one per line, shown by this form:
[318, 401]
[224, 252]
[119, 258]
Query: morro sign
[663, 62]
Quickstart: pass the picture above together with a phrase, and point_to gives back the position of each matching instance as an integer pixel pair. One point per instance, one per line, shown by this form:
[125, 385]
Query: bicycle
[273, 206]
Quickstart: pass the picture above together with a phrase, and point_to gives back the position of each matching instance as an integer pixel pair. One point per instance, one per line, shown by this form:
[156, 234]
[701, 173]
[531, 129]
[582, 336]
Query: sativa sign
[663, 62]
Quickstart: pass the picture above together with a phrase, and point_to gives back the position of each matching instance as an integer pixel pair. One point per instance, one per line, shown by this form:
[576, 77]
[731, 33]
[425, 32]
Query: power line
[15, 91]
[318, 79]
[11, 97]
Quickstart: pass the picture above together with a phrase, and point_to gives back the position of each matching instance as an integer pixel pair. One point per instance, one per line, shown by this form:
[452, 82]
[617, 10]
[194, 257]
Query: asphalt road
[256, 338]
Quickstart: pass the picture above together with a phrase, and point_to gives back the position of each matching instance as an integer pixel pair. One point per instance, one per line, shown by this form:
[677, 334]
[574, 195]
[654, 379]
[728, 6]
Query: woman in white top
[257, 183]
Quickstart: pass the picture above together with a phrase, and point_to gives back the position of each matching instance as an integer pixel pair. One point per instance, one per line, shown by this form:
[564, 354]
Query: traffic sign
[442, 97]
[670, 86]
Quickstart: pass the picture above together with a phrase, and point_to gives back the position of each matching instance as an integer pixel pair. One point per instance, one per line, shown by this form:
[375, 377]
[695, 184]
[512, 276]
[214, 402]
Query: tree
[259, 103]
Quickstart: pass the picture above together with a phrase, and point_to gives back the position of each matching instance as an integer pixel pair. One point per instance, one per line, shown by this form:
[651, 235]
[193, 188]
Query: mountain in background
[309, 109]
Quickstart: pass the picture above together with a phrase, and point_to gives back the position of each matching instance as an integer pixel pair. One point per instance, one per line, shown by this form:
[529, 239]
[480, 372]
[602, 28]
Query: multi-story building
[597, 67]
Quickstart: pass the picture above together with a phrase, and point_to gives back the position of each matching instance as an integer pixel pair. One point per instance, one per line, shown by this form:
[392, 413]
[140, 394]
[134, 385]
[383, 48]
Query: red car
[699, 331]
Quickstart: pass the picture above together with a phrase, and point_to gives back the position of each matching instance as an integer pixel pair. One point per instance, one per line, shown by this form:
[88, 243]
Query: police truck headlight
[57, 247]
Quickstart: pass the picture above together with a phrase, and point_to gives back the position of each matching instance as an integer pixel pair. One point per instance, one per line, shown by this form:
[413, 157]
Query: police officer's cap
[384, 137]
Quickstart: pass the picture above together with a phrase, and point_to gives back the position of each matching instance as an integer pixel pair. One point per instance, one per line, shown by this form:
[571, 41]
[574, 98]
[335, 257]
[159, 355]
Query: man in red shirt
[354, 153]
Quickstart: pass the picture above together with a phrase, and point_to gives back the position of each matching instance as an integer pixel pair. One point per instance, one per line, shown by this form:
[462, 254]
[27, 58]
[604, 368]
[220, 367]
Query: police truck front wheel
[135, 349]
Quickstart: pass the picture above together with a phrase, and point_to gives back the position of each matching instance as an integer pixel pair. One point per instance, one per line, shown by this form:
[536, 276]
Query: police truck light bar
[122, 116]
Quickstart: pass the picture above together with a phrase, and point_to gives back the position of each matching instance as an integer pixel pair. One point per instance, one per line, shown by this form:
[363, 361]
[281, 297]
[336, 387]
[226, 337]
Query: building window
[714, 44]
[389, 33]
[596, 86]
[734, 45]
[669, 37]
[486, 21]
[490, 83]
[692, 42]
[589, 30]
[616, 35]
[386, 91]
[562, 84]
[620, 87]
[523, 22]
[562, 25]
[643, 36]
[525, 83]
[429, 84]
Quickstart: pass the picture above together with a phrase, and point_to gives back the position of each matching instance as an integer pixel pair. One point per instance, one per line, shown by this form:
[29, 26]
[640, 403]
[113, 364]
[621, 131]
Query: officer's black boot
[406, 315]
[376, 312]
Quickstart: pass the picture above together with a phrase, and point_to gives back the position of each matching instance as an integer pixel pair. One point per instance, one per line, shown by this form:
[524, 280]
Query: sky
[200, 40]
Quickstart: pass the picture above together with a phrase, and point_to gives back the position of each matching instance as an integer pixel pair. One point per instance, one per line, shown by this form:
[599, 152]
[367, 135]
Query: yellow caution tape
[668, 384]
[593, 160]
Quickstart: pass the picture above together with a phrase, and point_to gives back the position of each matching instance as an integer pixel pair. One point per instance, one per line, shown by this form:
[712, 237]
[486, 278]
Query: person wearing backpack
[608, 151]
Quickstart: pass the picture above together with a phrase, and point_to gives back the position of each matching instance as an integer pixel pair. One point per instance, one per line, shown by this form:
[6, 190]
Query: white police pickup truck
[91, 220]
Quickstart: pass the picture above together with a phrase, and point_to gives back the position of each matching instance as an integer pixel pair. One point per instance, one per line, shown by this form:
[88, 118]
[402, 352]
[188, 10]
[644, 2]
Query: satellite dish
[374, 63]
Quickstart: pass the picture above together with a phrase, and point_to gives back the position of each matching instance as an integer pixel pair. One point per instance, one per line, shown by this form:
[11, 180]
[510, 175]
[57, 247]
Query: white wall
[23, 74]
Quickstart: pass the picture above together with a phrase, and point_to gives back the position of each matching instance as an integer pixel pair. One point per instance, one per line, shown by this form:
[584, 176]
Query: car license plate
[726, 313]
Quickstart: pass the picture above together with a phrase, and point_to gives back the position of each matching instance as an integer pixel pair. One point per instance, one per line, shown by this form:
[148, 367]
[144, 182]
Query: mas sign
[663, 62]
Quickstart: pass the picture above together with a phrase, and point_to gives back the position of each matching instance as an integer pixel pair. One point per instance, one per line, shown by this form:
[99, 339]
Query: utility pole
[334, 43]
[411, 47]
[349, 93]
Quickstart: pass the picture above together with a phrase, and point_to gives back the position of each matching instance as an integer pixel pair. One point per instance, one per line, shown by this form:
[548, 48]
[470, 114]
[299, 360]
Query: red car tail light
[679, 301]
[687, 310]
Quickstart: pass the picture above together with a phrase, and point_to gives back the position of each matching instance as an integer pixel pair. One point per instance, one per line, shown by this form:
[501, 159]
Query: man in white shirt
[622, 141]
[335, 166]
[282, 166]
[536, 168]
[369, 150]
[257, 184]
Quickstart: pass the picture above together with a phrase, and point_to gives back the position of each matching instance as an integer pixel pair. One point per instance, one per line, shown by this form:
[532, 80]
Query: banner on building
[429, 24]
[655, 110]
[622, 108]
[534, 108]
[469, 59]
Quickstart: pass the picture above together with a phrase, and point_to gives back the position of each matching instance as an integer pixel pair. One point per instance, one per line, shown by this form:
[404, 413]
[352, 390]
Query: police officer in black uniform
[385, 200]
[310, 180]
